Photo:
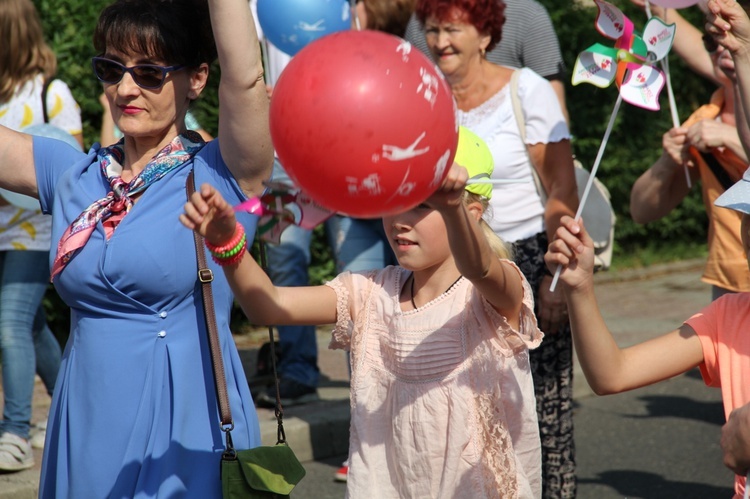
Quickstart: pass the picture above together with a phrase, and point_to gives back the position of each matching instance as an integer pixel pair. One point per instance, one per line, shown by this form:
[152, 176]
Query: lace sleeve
[342, 331]
[529, 328]
[528, 335]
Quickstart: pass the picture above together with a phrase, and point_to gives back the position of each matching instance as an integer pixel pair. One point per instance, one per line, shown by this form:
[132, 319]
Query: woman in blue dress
[134, 409]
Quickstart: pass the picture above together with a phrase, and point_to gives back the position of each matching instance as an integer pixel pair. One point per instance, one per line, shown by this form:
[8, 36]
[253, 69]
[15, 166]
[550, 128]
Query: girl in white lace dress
[441, 392]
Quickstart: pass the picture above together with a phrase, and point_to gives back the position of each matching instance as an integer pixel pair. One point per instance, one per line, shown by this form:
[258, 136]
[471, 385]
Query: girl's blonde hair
[499, 247]
[23, 52]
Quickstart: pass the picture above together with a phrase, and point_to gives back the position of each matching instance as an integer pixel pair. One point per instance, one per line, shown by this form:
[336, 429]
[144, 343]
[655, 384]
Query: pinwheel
[630, 64]
[281, 206]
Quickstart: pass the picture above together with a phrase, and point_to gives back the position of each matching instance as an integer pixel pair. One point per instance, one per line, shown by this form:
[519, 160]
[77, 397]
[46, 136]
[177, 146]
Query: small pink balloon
[252, 206]
[674, 4]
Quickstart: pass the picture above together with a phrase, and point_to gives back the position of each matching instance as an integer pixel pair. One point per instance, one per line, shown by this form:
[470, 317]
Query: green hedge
[634, 144]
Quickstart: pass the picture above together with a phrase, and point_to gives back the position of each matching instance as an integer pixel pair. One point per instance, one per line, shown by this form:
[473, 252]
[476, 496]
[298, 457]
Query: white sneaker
[38, 435]
[15, 453]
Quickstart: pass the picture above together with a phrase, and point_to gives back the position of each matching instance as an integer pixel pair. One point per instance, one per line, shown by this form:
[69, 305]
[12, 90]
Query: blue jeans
[288, 264]
[359, 244]
[28, 346]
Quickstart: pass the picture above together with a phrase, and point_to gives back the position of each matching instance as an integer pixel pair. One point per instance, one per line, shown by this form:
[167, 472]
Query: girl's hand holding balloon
[208, 213]
[573, 249]
[450, 194]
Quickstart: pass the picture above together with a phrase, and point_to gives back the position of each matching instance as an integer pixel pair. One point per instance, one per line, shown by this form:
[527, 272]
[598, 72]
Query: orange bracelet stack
[232, 252]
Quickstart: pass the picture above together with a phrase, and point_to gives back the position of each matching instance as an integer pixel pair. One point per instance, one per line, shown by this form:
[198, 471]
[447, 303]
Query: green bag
[265, 472]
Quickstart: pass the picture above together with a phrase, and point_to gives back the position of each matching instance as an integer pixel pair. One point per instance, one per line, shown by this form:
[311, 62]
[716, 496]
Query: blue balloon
[291, 24]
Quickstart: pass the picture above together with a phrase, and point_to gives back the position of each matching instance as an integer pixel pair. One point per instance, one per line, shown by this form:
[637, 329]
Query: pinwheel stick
[673, 108]
[672, 104]
[590, 182]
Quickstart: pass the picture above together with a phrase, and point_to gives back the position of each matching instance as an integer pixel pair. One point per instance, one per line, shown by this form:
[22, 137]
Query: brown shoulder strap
[205, 276]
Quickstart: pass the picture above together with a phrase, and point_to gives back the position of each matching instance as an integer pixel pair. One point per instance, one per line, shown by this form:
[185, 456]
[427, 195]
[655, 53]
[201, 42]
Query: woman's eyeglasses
[148, 76]
[710, 44]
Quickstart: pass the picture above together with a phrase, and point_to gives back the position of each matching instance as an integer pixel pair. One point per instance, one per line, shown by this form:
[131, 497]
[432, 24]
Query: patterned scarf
[118, 202]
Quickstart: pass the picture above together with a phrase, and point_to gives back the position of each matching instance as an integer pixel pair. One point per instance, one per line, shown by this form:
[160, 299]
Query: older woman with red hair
[459, 33]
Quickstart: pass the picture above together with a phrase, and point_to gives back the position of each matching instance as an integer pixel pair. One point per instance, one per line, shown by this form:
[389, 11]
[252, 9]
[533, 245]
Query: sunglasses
[148, 76]
[710, 44]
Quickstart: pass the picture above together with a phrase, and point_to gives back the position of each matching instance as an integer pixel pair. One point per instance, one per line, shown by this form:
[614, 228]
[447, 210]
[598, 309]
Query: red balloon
[364, 123]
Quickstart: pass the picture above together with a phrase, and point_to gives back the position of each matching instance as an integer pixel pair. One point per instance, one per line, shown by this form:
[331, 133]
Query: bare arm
[663, 186]
[17, 171]
[729, 24]
[498, 282]
[559, 87]
[607, 367]
[554, 163]
[263, 303]
[743, 128]
[244, 135]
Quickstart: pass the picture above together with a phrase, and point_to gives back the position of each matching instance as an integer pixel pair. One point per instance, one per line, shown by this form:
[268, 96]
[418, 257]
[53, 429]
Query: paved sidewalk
[637, 305]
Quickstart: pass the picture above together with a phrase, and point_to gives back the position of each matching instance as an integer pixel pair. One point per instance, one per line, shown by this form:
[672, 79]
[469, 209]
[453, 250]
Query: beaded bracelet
[231, 252]
[239, 233]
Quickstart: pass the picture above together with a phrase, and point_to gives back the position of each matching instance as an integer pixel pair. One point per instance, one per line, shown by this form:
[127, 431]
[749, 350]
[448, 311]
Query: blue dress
[134, 410]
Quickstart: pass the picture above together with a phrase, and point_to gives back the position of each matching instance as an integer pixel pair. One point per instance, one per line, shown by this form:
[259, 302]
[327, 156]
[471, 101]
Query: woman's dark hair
[173, 31]
[390, 16]
[487, 16]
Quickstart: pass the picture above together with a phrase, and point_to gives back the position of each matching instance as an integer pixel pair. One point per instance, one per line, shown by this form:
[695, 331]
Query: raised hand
[675, 144]
[451, 191]
[574, 250]
[735, 440]
[729, 24]
[208, 213]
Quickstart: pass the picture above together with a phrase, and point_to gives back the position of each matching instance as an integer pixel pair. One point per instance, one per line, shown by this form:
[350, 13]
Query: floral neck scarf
[118, 202]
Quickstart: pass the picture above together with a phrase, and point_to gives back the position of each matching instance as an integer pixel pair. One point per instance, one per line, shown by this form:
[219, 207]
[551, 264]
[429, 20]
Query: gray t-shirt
[528, 40]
